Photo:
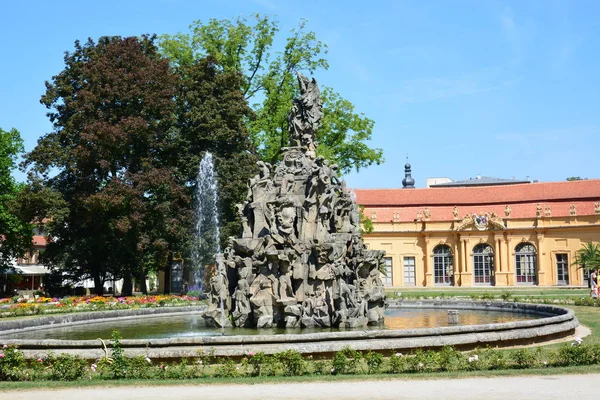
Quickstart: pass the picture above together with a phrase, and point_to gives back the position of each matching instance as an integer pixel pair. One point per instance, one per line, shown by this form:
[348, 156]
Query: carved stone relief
[300, 261]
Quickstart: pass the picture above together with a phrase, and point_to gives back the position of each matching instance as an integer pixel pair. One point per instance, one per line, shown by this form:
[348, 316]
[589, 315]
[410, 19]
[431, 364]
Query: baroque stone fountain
[300, 260]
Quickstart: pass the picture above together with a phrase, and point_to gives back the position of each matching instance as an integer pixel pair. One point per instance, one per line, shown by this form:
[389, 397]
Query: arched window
[443, 265]
[526, 264]
[483, 264]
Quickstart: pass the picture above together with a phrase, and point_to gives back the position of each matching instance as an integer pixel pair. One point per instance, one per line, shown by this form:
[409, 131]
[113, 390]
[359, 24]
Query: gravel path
[517, 388]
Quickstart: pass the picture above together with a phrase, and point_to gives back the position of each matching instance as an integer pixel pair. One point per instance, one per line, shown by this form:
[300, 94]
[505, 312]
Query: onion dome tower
[408, 182]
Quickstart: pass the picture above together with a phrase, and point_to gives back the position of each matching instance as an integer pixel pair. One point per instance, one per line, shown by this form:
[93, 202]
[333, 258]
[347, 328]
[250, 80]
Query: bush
[374, 362]
[262, 364]
[490, 359]
[292, 362]
[450, 359]
[66, 367]
[576, 354]
[346, 361]
[424, 361]
[398, 363]
[524, 358]
[139, 367]
[183, 370]
[228, 369]
[12, 363]
[506, 295]
[321, 367]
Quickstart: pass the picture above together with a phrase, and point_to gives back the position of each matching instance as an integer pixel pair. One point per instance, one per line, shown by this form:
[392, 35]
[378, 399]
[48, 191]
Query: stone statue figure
[305, 117]
[300, 261]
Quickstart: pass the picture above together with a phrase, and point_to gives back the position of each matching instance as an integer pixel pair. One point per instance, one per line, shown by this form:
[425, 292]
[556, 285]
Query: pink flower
[40, 360]
[1, 355]
[5, 346]
[250, 353]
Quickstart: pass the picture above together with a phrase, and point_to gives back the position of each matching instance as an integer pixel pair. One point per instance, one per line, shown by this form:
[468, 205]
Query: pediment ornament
[481, 222]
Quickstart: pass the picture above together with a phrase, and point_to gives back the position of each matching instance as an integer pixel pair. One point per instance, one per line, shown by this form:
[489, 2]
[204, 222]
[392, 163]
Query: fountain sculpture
[300, 260]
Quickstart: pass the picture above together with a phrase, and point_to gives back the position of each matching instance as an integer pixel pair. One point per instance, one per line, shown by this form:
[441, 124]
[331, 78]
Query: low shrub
[490, 359]
[346, 361]
[398, 363]
[66, 367]
[12, 363]
[292, 363]
[524, 358]
[374, 362]
[227, 369]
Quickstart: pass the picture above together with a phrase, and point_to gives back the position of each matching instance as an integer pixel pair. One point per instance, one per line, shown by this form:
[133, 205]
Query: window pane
[409, 271]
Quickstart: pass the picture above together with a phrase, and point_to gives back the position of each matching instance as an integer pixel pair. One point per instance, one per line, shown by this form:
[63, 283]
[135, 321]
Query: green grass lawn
[515, 292]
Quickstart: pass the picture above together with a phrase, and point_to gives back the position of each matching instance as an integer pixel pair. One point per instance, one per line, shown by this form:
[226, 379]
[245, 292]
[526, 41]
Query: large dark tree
[113, 109]
[129, 133]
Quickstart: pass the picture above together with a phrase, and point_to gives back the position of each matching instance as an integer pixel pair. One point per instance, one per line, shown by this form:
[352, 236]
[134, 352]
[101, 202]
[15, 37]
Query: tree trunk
[98, 284]
[167, 280]
[143, 287]
[127, 289]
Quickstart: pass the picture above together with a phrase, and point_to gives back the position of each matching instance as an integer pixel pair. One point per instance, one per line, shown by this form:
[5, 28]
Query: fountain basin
[555, 322]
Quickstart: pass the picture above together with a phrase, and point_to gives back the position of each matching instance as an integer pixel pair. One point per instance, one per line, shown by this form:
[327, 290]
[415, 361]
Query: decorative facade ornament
[455, 212]
[373, 216]
[426, 214]
[495, 222]
[572, 210]
[548, 211]
[538, 210]
[396, 217]
[482, 222]
[419, 216]
[596, 208]
[507, 211]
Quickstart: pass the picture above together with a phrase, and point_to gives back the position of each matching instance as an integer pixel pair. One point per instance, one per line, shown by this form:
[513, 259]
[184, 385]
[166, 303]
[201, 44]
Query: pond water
[192, 324]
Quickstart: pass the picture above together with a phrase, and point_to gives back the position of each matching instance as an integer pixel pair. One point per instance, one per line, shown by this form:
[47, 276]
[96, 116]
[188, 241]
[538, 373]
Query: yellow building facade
[508, 235]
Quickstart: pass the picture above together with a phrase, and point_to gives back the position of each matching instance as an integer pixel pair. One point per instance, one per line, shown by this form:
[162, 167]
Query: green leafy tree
[15, 231]
[269, 84]
[588, 257]
[124, 211]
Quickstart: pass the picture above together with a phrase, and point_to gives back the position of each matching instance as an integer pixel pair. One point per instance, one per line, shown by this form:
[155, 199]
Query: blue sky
[497, 88]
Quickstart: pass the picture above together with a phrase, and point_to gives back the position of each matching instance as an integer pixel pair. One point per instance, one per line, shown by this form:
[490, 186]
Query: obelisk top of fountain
[305, 116]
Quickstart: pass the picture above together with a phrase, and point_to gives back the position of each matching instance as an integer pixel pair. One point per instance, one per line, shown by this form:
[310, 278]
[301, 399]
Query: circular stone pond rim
[558, 322]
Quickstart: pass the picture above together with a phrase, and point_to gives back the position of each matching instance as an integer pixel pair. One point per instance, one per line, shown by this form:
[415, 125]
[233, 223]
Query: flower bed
[20, 306]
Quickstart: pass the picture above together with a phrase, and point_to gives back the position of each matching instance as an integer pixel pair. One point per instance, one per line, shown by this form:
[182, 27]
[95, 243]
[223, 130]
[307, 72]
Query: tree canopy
[119, 168]
[15, 232]
[112, 109]
[269, 84]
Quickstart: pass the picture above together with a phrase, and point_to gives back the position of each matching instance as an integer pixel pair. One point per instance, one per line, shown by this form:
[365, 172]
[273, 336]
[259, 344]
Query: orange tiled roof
[39, 240]
[503, 194]
[400, 205]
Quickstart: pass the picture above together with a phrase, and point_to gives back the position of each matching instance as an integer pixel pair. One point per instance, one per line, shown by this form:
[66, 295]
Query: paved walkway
[578, 387]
